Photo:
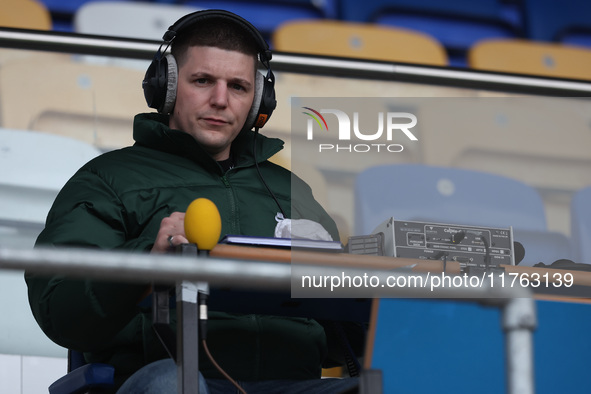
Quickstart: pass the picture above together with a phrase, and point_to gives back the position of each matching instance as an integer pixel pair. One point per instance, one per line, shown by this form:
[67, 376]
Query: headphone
[160, 81]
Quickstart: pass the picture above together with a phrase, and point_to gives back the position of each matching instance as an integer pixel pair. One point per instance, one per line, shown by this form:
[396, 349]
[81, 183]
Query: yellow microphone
[203, 224]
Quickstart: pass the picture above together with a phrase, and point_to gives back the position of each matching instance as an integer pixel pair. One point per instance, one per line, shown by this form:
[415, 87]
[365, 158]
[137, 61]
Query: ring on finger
[169, 239]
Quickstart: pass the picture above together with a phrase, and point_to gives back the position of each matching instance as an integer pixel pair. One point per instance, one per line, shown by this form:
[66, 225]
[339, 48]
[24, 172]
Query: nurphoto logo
[396, 124]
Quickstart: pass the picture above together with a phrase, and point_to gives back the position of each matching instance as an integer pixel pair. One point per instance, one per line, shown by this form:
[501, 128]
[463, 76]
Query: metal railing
[446, 76]
[516, 305]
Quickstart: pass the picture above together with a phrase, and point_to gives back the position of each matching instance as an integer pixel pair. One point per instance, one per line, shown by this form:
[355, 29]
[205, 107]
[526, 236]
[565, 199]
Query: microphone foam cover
[203, 224]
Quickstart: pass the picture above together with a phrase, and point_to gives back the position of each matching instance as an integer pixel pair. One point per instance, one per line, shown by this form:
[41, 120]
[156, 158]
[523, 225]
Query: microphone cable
[203, 297]
[215, 364]
[256, 163]
[161, 324]
[203, 332]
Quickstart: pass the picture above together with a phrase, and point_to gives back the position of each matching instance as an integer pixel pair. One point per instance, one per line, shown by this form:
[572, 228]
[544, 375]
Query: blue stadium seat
[64, 6]
[581, 225]
[457, 24]
[565, 21]
[63, 11]
[457, 196]
[267, 15]
[83, 377]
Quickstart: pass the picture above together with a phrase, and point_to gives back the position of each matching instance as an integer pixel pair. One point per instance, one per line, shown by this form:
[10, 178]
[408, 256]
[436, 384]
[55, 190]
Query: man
[200, 145]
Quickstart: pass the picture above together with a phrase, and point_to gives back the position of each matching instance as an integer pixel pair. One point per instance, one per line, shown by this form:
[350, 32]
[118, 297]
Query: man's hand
[171, 233]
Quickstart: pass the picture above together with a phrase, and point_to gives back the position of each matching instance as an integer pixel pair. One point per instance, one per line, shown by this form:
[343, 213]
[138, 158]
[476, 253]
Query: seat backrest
[95, 104]
[25, 14]
[35, 166]
[457, 196]
[267, 15]
[75, 360]
[66, 7]
[141, 20]
[530, 57]
[581, 225]
[456, 24]
[558, 21]
[371, 10]
[444, 195]
[358, 40]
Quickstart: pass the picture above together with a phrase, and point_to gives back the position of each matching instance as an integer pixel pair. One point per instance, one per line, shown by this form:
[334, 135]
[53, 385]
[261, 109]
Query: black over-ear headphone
[160, 81]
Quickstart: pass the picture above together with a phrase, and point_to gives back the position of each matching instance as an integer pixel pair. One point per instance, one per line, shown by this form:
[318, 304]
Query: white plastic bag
[300, 228]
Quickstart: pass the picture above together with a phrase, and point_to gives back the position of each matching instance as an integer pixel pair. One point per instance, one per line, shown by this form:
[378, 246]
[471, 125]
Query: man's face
[214, 95]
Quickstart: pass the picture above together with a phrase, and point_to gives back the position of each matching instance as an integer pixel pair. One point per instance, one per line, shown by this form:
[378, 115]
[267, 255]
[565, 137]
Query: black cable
[353, 366]
[254, 152]
[167, 339]
[486, 253]
[160, 319]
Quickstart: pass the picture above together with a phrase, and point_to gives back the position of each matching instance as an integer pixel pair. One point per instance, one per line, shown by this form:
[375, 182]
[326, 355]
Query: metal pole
[216, 271]
[144, 267]
[519, 322]
[187, 338]
[314, 65]
[518, 309]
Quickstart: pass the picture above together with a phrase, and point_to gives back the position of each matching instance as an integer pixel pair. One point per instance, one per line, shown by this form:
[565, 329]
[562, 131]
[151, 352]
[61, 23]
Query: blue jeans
[160, 378]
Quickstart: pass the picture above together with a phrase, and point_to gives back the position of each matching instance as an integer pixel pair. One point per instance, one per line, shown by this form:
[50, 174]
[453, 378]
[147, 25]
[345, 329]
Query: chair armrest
[83, 378]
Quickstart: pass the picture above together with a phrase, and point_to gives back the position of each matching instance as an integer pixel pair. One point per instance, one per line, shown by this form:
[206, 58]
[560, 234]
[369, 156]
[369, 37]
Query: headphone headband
[198, 16]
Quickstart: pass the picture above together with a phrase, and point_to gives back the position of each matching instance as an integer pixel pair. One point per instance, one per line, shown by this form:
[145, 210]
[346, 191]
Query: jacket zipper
[235, 225]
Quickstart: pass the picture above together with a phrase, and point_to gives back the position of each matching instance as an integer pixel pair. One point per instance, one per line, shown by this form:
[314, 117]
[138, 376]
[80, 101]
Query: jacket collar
[151, 130]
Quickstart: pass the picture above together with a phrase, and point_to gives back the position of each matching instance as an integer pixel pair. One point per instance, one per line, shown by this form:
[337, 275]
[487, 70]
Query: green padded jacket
[117, 201]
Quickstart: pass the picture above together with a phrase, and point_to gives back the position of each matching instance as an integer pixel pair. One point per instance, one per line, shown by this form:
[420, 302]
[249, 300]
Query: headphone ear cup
[264, 101]
[256, 102]
[268, 101]
[171, 85]
[151, 84]
[160, 84]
